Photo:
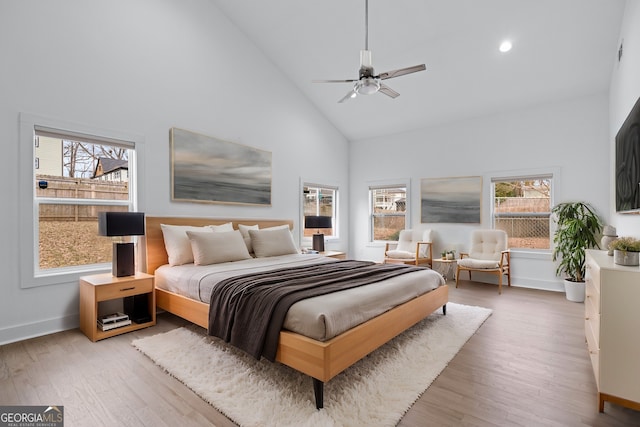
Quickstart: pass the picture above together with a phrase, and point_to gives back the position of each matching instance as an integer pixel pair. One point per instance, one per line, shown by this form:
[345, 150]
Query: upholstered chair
[413, 247]
[488, 253]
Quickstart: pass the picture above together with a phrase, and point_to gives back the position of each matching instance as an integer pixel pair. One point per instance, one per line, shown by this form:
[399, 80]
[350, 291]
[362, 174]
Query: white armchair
[488, 254]
[413, 247]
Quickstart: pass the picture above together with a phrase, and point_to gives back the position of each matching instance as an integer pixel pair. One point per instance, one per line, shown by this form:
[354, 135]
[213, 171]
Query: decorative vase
[606, 240]
[626, 257]
[449, 256]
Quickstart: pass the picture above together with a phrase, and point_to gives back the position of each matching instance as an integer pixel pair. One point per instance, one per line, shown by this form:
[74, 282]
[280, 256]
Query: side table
[334, 254]
[446, 267]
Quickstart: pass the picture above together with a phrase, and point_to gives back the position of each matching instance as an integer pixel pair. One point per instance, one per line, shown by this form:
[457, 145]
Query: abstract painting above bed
[207, 169]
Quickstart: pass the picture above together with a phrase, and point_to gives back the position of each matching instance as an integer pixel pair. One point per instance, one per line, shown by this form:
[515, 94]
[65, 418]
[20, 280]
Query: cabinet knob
[127, 289]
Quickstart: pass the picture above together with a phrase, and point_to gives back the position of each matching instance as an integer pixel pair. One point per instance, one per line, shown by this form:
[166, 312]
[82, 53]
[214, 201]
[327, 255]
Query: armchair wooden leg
[500, 283]
[457, 275]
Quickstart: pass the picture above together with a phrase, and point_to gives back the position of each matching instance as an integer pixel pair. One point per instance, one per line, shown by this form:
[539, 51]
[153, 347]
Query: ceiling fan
[368, 83]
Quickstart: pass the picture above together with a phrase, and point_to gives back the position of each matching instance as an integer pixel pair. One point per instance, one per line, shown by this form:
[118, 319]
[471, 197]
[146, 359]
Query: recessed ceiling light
[505, 46]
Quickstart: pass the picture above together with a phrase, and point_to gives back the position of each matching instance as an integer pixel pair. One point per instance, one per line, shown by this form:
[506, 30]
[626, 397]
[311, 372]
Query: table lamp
[318, 222]
[121, 224]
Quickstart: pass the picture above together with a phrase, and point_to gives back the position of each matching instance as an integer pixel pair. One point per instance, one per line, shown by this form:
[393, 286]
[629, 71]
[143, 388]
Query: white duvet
[321, 317]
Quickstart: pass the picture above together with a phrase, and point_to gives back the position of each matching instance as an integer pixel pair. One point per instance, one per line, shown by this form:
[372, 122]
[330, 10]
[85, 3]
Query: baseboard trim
[37, 329]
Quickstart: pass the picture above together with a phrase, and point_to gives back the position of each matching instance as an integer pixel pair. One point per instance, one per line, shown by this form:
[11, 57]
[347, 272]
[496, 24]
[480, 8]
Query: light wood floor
[527, 365]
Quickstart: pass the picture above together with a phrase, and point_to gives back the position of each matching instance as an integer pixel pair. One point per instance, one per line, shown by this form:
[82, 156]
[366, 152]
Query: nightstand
[105, 287]
[334, 254]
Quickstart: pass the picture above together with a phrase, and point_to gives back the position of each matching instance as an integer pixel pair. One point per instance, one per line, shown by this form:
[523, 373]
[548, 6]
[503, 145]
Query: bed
[319, 359]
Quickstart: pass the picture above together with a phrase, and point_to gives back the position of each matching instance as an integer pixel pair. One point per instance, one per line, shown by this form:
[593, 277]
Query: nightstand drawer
[123, 289]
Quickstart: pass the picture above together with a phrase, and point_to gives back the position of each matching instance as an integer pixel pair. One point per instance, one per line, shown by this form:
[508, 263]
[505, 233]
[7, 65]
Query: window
[320, 200]
[522, 207]
[388, 209]
[74, 174]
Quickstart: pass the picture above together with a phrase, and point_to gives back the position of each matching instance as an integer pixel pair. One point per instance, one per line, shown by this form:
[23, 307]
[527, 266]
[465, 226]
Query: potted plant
[626, 251]
[448, 254]
[578, 225]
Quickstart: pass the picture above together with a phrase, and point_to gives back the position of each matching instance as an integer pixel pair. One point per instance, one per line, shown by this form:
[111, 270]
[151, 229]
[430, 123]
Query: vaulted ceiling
[561, 49]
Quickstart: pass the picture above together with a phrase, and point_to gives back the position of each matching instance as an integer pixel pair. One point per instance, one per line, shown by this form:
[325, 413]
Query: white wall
[142, 67]
[624, 92]
[569, 138]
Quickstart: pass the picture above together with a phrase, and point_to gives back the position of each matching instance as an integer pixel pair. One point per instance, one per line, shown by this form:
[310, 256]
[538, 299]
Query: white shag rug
[376, 391]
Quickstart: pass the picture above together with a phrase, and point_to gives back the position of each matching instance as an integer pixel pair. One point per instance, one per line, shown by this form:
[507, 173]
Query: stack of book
[112, 321]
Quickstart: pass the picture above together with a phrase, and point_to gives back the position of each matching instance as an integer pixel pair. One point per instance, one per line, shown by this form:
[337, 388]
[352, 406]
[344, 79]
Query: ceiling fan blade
[388, 91]
[351, 94]
[335, 81]
[401, 72]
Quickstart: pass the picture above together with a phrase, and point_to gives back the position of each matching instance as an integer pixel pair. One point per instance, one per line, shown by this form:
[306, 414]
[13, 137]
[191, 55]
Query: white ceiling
[561, 49]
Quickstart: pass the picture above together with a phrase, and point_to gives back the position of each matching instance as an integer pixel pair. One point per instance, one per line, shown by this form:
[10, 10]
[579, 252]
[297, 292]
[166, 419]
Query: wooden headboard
[155, 252]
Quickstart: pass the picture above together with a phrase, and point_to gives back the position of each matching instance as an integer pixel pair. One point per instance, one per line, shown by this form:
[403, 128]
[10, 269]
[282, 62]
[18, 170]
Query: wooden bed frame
[320, 360]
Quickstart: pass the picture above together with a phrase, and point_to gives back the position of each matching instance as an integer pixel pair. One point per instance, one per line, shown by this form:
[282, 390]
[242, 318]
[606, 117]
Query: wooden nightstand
[104, 287]
[334, 254]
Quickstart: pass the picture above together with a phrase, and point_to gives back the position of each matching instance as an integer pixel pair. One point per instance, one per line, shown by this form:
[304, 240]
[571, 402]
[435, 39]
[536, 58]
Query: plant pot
[574, 291]
[626, 257]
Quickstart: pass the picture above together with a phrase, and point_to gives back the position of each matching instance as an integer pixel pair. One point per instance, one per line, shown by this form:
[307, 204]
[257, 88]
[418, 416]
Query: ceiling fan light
[368, 86]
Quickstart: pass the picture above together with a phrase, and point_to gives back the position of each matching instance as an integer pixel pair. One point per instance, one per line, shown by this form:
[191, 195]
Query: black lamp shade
[120, 224]
[317, 222]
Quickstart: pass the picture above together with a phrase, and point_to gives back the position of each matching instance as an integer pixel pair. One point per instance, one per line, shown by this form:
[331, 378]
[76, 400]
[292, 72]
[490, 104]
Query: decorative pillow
[277, 227]
[272, 242]
[214, 248]
[177, 243]
[222, 228]
[244, 229]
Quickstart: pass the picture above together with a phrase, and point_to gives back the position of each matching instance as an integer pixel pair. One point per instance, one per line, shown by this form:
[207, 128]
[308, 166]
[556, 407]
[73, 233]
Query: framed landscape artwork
[453, 200]
[209, 170]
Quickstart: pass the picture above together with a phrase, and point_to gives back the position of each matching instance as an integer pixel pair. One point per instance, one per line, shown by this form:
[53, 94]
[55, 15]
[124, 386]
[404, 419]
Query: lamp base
[318, 242]
[123, 260]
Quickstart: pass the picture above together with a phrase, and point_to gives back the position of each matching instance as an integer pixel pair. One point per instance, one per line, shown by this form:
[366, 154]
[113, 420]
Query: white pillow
[177, 243]
[222, 228]
[244, 229]
[272, 242]
[214, 248]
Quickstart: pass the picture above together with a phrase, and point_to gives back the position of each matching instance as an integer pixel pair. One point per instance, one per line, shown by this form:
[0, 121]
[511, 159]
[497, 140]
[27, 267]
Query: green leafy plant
[628, 244]
[578, 225]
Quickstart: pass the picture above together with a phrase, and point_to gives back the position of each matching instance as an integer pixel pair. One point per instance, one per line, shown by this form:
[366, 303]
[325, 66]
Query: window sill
[540, 254]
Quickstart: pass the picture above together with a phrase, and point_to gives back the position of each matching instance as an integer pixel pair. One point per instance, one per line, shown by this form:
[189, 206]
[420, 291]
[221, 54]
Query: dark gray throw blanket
[248, 311]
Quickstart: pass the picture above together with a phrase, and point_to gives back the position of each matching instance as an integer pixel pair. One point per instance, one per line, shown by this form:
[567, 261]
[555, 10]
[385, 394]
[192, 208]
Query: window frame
[378, 185]
[552, 173]
[307, 240]
[28, 245]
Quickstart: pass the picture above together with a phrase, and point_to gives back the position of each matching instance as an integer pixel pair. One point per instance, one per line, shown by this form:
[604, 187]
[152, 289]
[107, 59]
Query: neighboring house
[112, 170]
[48, 152]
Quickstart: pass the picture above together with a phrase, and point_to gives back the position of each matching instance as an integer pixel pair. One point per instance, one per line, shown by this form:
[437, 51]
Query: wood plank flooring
[526, 366]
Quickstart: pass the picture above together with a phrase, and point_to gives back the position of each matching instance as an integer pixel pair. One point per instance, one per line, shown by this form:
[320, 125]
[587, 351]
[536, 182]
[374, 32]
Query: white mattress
[321, 317]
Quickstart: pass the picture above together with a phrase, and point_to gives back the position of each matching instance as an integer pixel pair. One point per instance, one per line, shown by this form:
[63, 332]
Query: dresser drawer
[592, 322]
[594, 349]
[592, 274]
[123, 289]
[592, 298]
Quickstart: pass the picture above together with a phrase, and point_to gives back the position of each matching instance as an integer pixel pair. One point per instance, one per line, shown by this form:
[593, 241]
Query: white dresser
[612, 328]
